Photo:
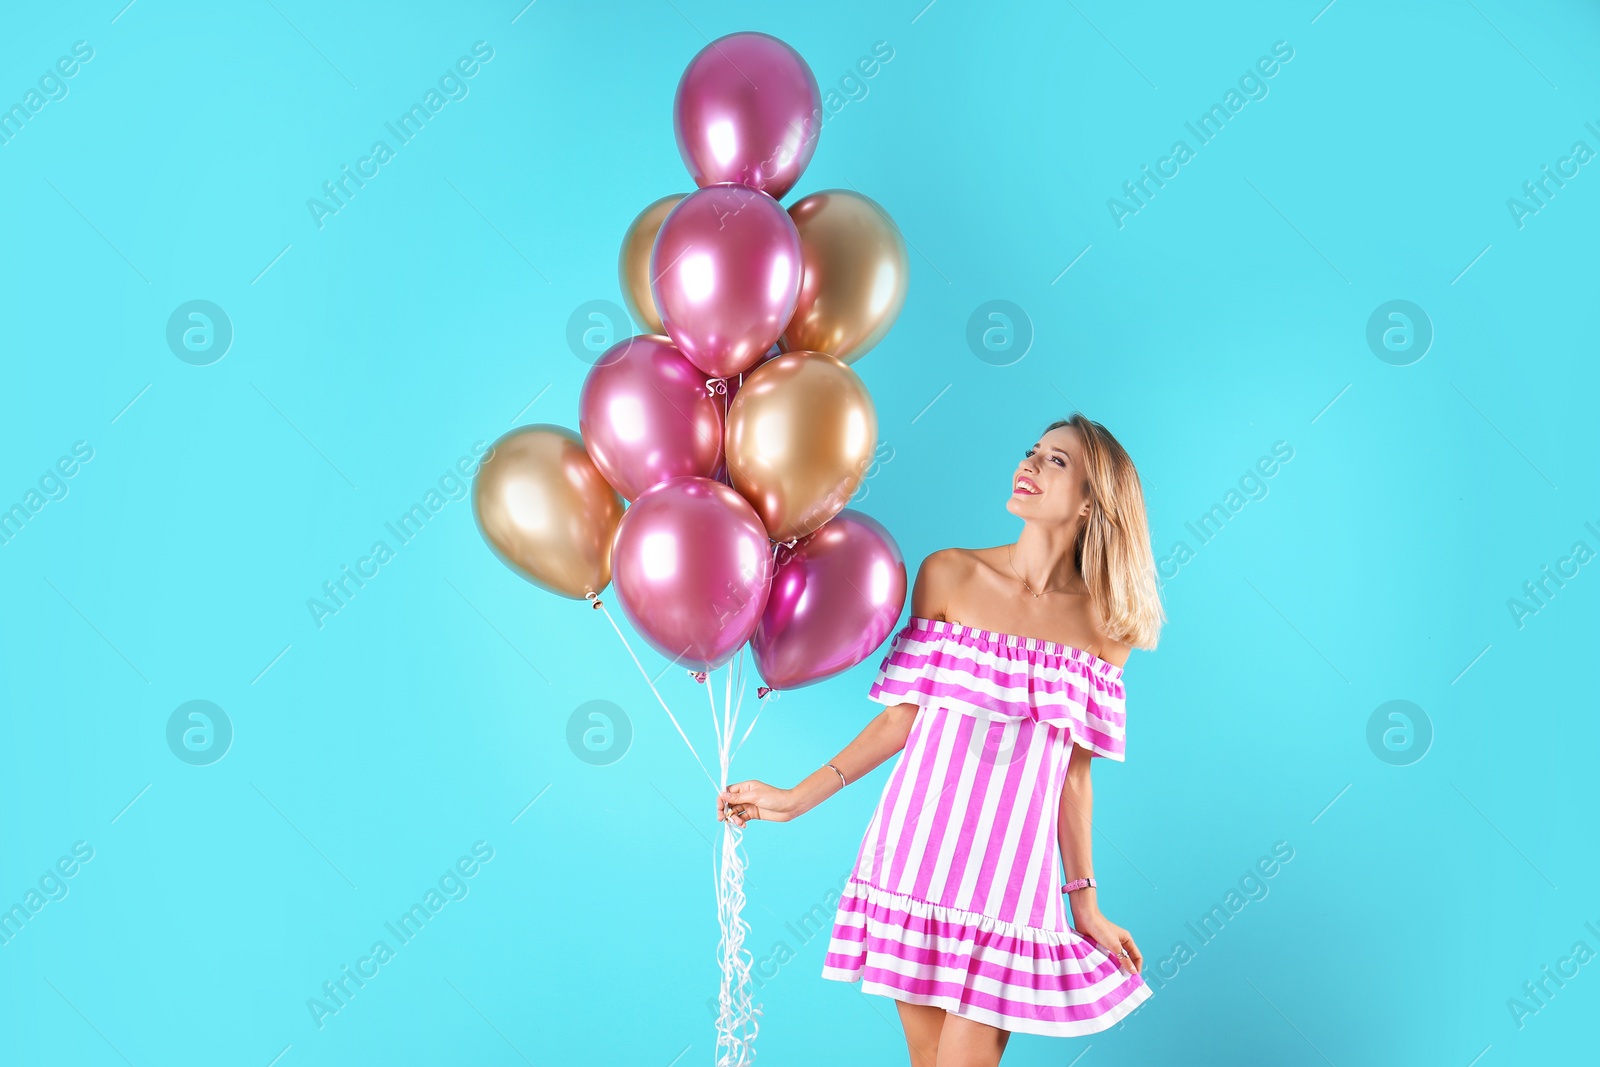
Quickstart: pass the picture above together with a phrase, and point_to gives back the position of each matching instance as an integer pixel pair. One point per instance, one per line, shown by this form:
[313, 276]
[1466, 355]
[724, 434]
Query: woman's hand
[1110, 939]
[743, 801]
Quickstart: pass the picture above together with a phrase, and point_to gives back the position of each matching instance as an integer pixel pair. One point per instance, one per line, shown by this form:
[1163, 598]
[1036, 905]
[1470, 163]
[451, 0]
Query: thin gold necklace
[1010, 554]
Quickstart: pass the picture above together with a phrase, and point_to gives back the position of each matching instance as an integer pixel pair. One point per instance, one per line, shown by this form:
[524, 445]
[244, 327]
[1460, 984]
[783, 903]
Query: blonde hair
[1113, 547]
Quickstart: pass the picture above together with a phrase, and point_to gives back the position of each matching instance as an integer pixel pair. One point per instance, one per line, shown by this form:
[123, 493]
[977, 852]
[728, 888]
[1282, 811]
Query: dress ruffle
[1018, 978]
[934, 663]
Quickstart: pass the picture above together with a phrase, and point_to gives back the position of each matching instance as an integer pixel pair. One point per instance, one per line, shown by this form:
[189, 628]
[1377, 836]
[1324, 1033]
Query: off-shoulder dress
[955, 899]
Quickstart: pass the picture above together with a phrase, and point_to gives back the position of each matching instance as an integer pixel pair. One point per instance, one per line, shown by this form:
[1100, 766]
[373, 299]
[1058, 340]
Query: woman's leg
[922, 1023]
[964, 1043]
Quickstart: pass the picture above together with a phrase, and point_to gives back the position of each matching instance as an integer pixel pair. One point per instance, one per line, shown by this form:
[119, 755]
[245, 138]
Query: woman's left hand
[1110, 939]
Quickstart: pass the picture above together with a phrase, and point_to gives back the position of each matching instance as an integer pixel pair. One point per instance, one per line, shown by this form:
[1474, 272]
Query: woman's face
[1049, 485]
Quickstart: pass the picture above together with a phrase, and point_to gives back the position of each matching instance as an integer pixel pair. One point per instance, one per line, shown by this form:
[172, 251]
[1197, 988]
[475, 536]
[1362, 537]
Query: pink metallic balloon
[692, 565]
[725, 274]
[834, 599]
[747, 110]
[646, 416]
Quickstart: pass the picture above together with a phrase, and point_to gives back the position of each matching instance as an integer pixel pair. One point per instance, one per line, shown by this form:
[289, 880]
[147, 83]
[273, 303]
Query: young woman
[1002, 688]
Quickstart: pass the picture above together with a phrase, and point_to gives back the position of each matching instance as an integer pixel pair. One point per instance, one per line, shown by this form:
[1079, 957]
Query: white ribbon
[737, 1015]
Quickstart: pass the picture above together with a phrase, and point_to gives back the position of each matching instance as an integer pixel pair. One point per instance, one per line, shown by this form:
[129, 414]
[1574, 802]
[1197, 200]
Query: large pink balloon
[834, 599]
[747, 110]
[645, 416]
[692, 566]
[725, 274]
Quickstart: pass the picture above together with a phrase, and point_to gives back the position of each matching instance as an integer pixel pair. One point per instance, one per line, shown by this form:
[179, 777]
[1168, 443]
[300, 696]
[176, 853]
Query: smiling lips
[1024, 487]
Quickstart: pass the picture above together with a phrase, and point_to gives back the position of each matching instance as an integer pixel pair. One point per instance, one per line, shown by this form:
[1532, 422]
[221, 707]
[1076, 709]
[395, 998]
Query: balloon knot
[594, 597]
[762, 690]
[698, 676]
[716, 385]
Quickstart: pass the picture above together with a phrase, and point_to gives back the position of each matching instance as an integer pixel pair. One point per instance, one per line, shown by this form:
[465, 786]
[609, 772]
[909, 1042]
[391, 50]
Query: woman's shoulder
[945, 573]
[951, 577]
[1114, 652]
[956, 561]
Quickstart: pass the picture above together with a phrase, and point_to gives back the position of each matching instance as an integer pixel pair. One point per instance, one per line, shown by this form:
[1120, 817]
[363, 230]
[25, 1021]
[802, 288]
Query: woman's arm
[884, 736]
[1075, 828]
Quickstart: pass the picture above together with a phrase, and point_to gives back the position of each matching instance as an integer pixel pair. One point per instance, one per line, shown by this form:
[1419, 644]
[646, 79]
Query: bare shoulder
[1109, 649]
[1114, 652]
[982, 578]
[980, 568]
[940, 578]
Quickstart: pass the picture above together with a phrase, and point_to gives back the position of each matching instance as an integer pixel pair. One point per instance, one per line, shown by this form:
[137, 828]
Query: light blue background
[369, 355]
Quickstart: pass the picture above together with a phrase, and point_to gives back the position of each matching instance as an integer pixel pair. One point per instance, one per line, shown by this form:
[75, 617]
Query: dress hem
[951, 946]
[1115, 1014]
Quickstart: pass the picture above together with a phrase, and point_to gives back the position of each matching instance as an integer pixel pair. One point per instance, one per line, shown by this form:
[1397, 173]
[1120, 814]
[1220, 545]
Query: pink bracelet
[1079, 883]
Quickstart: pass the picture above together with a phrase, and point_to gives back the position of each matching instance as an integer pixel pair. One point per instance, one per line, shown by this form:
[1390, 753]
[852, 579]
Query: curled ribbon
[783, 550]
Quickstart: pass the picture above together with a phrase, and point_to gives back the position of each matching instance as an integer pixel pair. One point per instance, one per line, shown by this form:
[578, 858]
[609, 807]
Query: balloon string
[727, 708]
[652, 685]
[717, 731]
[737, 1013]
[760, 703]
[739, 705]
[738, 687]
[779, 545]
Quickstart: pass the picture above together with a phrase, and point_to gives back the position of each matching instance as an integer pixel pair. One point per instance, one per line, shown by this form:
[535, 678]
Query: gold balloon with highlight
[853, 275]
[546, 510]
[633, 265]
[800, 437]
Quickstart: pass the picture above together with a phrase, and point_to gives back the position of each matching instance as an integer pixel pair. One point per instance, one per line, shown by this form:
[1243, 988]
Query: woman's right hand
[744, 801]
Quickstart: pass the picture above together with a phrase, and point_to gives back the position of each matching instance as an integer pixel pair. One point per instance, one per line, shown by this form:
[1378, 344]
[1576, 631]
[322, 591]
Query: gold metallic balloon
[633, 265]
[853, 275]
[546, 510]
[800, 437]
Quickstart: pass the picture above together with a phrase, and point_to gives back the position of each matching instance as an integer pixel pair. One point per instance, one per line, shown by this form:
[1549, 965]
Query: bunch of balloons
[734, 426]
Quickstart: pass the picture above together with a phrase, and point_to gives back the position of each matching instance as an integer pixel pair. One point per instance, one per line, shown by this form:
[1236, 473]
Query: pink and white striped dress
[955, 899]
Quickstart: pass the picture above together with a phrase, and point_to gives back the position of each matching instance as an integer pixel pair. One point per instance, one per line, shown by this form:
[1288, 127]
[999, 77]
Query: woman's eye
[1059, 461]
